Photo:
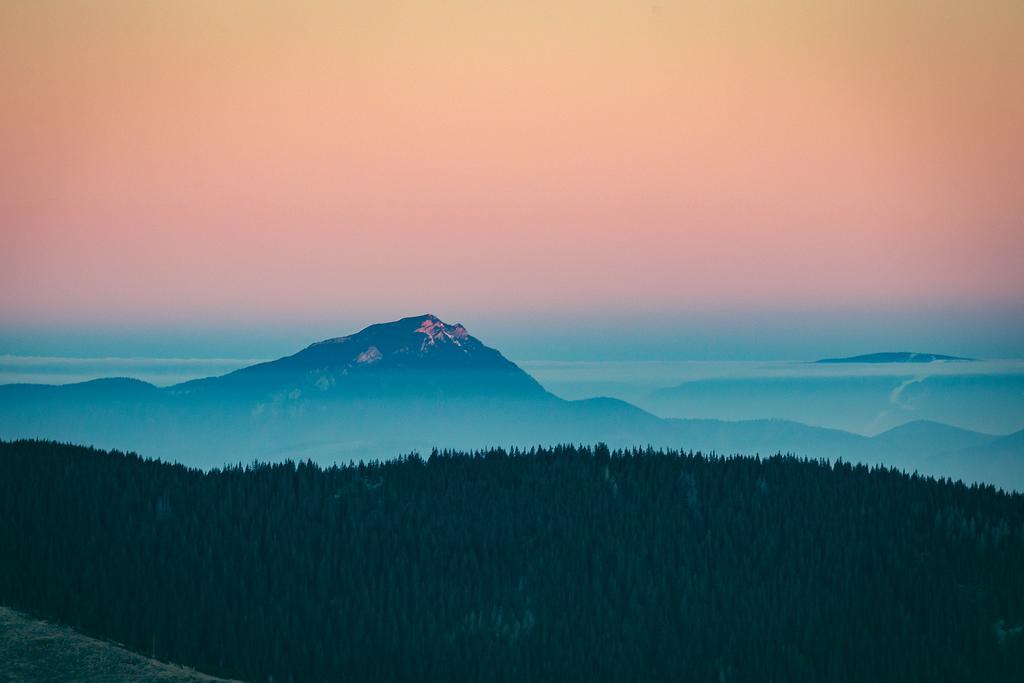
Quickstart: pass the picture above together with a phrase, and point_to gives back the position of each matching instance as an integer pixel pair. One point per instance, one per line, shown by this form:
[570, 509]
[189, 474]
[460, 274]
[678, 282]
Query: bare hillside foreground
[34, 650]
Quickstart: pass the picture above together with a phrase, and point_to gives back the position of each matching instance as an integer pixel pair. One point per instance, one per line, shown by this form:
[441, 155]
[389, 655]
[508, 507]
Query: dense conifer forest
[562, 564]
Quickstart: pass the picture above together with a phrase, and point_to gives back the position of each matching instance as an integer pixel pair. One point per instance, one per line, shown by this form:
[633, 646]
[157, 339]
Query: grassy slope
[33, 650]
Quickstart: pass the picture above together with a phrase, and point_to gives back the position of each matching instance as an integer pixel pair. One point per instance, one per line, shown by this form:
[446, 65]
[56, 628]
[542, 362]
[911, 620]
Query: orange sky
[195, 160]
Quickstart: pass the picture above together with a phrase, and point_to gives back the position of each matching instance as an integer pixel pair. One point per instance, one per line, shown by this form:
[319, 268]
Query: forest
[569, 563]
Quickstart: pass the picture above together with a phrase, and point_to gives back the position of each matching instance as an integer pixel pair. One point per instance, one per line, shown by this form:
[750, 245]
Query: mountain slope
[943, 436]
[420, 355]
[1000, 460]
[34, 650]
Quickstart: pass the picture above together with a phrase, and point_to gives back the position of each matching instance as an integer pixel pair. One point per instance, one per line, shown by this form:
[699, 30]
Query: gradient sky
[244, 166]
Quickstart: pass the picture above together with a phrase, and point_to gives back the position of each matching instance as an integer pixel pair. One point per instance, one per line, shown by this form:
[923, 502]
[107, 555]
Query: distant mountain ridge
[419, 383]
[894, 357]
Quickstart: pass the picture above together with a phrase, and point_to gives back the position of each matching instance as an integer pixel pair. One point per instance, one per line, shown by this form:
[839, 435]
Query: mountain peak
[435, 331]
[428, 324]
[417, 351]
[407, 331]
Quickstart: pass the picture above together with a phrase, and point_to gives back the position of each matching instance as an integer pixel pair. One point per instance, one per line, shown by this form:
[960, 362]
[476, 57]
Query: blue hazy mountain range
[895, 357]
[419, 383]
[866, 398]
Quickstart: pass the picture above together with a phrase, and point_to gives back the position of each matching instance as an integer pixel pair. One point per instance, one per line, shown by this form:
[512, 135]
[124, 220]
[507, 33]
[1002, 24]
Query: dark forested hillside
[550, 565]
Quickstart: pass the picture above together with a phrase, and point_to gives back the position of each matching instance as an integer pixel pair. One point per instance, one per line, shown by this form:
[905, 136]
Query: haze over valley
[341, 399]
[985, 395]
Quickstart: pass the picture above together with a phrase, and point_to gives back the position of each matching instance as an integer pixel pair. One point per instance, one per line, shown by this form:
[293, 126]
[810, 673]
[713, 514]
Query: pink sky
[195, 161]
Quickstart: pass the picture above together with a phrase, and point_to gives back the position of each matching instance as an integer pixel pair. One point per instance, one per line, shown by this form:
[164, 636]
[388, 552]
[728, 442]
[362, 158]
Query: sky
[665, 179]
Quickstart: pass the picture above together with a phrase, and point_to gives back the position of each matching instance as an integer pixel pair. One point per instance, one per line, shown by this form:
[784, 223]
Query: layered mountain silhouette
[895, 357]
[419, 383]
